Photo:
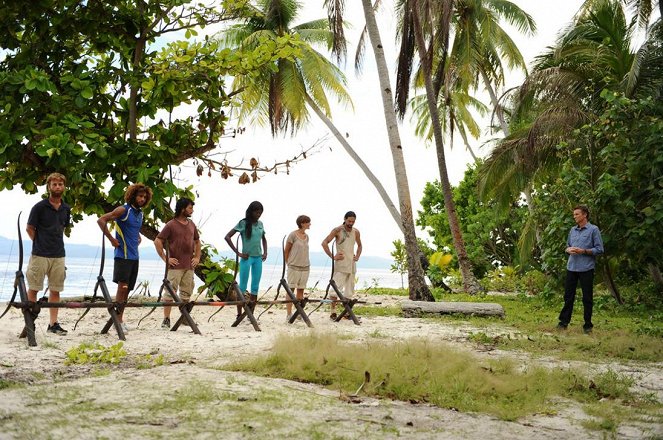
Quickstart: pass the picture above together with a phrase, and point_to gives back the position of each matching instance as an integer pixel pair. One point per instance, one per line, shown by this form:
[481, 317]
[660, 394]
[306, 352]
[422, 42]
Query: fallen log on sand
[414, 309]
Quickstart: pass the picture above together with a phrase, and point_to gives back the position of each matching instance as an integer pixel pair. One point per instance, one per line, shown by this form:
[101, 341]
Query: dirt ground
[192, 395]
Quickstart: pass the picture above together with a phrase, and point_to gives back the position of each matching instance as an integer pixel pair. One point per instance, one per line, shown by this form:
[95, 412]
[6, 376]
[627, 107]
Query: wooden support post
[299, 309]
[347, 304]
[248, 309]
[28, 315]
[113, 310]
[184, 309]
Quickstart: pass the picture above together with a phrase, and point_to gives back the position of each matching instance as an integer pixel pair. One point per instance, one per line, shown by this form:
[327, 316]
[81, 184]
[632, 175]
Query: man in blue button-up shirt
[583, 245]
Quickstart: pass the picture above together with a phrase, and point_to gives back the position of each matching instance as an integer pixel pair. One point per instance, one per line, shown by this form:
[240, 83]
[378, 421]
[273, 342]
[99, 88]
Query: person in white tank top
[345, 260]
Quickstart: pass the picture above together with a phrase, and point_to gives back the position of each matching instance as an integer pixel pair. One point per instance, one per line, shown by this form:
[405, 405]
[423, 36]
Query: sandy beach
[136, 399]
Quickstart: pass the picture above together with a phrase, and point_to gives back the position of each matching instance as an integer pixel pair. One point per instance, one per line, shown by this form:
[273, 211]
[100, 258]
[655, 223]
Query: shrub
[532, 283]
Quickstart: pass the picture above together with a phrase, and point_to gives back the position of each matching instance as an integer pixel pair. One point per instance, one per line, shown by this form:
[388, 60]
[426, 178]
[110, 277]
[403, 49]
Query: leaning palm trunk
[417, 284]
[467, 145]
[470, 283]
[358, 160]
[505, 131]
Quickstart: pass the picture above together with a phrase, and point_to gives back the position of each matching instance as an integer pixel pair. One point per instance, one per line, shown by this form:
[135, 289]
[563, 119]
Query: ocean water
[82, 276]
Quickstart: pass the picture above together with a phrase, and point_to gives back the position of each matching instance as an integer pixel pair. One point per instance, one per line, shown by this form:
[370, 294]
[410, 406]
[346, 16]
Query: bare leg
[53, 312]
[121, 297]
[32, 295]
[166, 309]
[300, 295]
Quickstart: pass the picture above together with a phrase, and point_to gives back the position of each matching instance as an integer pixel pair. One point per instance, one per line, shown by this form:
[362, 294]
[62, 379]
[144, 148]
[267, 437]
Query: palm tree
[643, 9]
[417, 285]
[456, 107]
[479, 50]
[479, 46]
[563, 92]
[281, 97]
[470, 283]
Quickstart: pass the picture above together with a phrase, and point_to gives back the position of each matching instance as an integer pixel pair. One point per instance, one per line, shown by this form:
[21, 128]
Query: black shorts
[125, 271]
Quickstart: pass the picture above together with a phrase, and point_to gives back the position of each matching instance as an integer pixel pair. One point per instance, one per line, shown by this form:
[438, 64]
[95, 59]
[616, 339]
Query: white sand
[89, 402]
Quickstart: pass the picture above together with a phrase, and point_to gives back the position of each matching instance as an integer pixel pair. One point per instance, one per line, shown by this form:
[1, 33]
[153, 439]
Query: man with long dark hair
[128, 221]
[345, 268]
[183, 241]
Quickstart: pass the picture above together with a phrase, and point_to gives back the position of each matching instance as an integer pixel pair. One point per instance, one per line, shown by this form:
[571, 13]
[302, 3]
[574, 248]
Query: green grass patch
[418, 371]
[387, 291]
[149, 361]
[49, 344]
[95, 353]
[194, 393]
[619, 333]
[6, 384]
[377, 310]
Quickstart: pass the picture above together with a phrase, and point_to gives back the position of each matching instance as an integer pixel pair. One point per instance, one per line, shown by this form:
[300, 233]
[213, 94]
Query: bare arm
[229, 240]
[103, 223]
[196, 255]
[264, 247]
[286, 252]
[325, 245]
[158, 244]
[31, 230]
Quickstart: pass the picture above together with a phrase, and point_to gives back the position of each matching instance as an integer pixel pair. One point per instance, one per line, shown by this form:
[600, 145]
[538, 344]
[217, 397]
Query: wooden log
[414, 309]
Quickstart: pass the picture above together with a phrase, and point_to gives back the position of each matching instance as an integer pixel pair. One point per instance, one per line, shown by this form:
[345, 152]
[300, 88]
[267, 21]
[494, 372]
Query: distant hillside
[147, 252]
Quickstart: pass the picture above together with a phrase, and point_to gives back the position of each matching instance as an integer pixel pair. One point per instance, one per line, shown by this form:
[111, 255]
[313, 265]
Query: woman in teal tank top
[254, 248]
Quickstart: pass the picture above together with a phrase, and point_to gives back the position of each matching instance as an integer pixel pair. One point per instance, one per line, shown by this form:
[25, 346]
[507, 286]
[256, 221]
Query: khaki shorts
[181, 279]
[297, 278]
[41, 267]
[345, 283]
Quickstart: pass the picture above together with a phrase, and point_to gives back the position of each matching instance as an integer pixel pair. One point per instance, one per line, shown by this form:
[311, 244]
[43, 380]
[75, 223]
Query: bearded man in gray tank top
[346, 257]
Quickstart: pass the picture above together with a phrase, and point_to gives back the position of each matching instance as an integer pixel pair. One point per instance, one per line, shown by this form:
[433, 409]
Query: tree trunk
[414, 309]
[495, 102]
[612, 287]
[505, 130]
[417, 283]
[470, 284]
[656, 276]
[139, 50]
[467, 145]
[360, 163]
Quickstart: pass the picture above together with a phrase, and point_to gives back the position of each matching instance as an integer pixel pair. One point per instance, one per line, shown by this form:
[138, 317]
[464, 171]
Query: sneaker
[333, 316]
[125, 329]
[55, 328]
[165, 323]
[561, 326]
[587, 330]
[287, 318]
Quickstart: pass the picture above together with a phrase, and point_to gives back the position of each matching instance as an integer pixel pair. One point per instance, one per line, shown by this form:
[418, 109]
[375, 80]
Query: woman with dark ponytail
[254, 248]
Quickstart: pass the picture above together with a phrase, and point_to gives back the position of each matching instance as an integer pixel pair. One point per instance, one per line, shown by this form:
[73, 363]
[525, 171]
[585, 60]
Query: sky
[327, 183]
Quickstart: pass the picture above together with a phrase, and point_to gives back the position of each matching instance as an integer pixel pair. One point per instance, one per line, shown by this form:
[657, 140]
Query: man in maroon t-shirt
[184, 248]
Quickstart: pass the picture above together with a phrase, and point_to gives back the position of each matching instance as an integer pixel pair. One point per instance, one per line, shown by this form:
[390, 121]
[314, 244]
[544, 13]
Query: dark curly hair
[133, 190]
[182, 204]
